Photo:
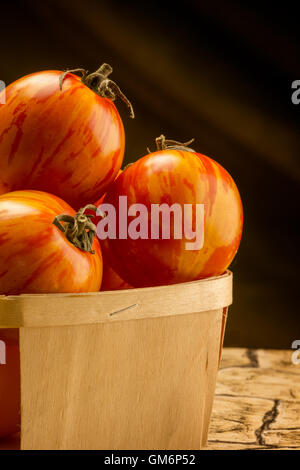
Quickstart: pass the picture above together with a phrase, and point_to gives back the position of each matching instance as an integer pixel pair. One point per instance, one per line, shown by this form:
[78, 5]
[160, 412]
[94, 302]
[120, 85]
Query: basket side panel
[214, 351]
[139, 384]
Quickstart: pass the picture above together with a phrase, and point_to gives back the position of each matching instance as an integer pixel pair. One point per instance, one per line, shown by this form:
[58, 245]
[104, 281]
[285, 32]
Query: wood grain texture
[257, 401]
[37, 310]
[146, 384]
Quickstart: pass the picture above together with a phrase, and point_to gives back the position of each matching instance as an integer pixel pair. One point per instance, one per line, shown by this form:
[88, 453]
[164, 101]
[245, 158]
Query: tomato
[176, 175]
[35, 256]
[9, 383]
[97, 218]
[111, 280]
[9, 334]
[67, 141]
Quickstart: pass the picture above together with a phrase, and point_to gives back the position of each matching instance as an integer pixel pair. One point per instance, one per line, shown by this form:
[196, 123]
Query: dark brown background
[217, 71]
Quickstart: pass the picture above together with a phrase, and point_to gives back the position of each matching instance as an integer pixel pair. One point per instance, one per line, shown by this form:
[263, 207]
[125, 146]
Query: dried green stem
[100, 83]
[166, 144]
[79, 230]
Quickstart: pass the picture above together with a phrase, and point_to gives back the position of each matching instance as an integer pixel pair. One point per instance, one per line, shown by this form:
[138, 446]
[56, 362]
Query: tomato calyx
[79, 230]
[99, 82]
[166, 144]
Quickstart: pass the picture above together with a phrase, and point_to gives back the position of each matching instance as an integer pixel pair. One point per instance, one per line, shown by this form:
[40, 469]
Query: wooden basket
[132, 369]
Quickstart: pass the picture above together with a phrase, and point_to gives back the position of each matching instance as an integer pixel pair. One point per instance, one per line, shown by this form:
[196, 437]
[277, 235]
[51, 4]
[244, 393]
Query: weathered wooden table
[257, 402]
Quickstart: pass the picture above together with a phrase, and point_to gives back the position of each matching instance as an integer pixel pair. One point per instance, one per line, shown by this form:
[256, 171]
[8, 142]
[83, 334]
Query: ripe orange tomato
[10, 384]
[68, 142]
[35, 256]
[175, 175]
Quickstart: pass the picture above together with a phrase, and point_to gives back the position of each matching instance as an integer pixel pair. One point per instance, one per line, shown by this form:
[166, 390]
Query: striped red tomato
[68, 140]
[174, 175]
[36, 257]
[111, 280]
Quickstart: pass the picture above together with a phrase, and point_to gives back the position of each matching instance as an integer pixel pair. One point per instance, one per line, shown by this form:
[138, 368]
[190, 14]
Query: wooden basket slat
[129, 385]
[37, 310]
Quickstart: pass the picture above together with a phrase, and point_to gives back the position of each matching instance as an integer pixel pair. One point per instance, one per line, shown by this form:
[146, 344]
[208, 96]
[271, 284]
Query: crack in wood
[253, 358]
[285, 429]
[231, 420]
[268, 419]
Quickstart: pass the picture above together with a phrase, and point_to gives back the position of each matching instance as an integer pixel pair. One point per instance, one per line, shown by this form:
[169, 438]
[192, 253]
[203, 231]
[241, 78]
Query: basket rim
[38, 310]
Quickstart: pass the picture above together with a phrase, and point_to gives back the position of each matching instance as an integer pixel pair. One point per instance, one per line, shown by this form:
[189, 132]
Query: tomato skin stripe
[4, 273]
[44, 266]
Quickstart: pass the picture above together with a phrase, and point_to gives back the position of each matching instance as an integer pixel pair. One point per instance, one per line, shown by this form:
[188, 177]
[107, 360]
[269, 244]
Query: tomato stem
[79, 230]
[100, 83]
[166, 144]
